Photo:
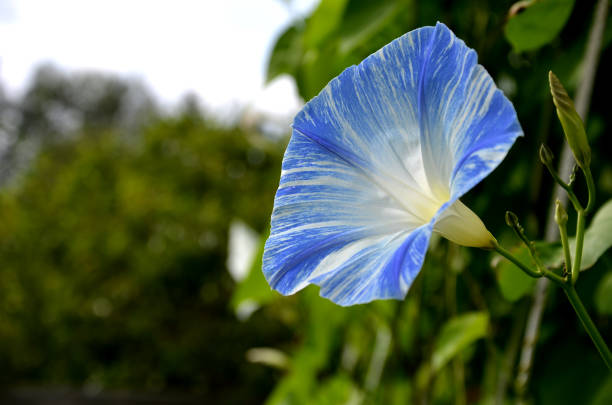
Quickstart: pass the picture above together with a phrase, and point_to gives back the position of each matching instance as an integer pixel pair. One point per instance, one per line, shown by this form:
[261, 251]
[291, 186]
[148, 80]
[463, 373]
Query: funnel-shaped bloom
[377, 162]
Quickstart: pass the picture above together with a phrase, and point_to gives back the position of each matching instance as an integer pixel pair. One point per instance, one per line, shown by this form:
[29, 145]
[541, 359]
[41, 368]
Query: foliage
[113, 259]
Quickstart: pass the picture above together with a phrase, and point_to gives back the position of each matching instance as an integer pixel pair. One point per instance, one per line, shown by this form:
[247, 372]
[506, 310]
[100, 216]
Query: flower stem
[568, 286]
[516, 261]
[588, 324]
[566, 253]
[568, 189]
[540, 271]
[579, 245]
[591, 187]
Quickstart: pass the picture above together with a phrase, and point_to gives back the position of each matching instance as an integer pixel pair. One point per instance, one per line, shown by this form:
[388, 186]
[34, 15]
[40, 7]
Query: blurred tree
[113, 260]
[57, 106]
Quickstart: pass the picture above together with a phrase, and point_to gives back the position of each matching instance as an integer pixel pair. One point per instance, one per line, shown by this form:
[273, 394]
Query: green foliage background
[114, 229]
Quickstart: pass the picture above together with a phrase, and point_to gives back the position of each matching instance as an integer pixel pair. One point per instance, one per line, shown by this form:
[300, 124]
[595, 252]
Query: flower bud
[512, 219]
[560, 213]
[546, 155]
[461, 225]
[571, 122]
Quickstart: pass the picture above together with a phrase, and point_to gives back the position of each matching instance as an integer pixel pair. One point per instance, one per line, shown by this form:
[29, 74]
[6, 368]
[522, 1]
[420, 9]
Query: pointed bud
[512, 219]
[513, 222]
[571, 122]
[560, 213]
[546, 155]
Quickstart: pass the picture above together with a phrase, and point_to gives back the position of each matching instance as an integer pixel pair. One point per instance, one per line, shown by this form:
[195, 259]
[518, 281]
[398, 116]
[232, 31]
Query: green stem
[551, 275]
[570, 291]
[579, 244]
[588, 324]
[570, 193]
[517, 262]
[591, 188]
[542, 270]
[566, 253]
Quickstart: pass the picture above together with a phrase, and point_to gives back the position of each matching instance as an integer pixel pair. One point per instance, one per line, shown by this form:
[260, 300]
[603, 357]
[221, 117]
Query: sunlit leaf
[323, 21]
[536, 23]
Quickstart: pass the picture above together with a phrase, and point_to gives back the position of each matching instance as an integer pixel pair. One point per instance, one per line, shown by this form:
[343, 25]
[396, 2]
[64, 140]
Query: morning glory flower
[378, 161]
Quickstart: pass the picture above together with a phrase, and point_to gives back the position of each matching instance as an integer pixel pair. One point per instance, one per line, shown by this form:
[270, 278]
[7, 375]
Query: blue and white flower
[378, 161]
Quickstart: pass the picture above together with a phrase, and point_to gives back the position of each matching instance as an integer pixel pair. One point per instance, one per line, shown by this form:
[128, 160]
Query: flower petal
[467, 124]
[373, 162]
[333, 226]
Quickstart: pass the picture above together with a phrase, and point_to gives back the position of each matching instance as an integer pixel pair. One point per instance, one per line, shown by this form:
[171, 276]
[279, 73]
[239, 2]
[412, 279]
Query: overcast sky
[215, 48]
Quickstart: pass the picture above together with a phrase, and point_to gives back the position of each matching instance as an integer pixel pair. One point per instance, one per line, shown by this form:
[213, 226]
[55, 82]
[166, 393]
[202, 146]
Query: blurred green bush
[113, 253]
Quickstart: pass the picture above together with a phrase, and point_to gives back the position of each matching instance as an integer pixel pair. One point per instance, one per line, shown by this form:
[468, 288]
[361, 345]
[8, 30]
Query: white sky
[214, 48]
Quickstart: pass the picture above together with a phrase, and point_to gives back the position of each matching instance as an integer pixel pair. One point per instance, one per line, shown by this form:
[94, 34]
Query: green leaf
[323, 21]
[538, 23]
[597, 237]
[456, 335]
[603, 295]
[286, 56]
[318, 68]
[338, 34]
[365, 20]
